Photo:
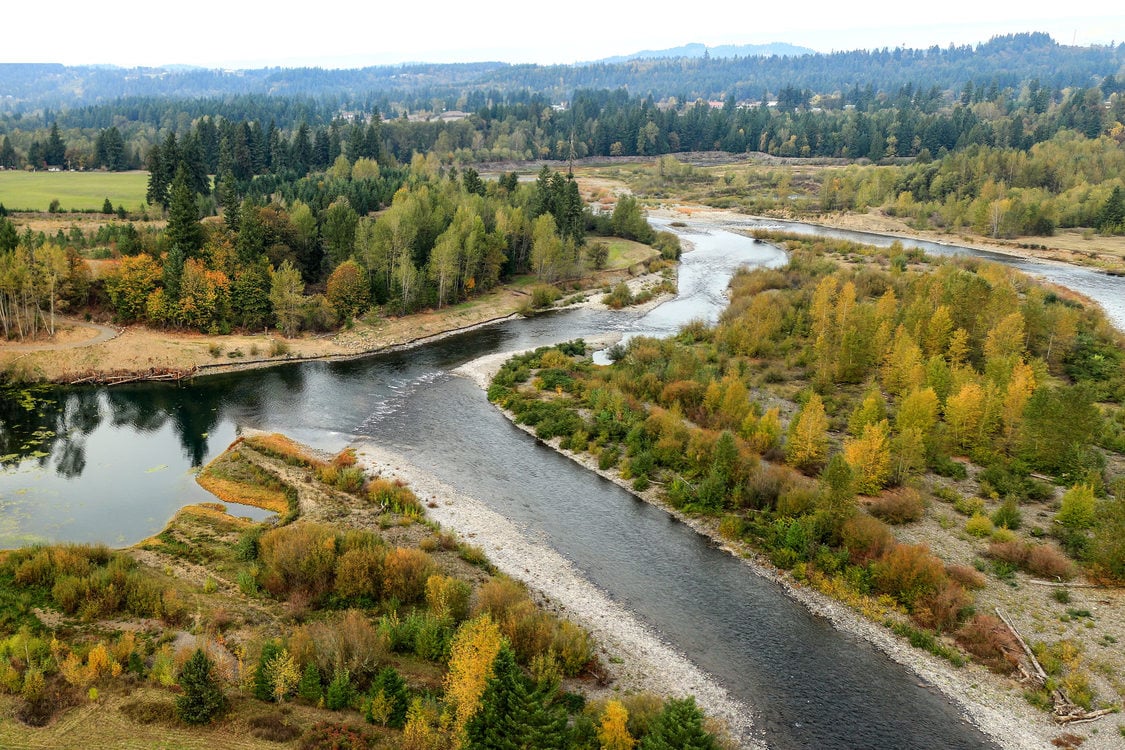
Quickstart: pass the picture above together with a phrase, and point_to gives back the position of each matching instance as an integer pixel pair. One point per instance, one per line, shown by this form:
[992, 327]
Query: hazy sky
[242, 34]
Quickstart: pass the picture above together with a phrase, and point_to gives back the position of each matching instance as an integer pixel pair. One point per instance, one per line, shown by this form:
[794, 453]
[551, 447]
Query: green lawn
[76, 191]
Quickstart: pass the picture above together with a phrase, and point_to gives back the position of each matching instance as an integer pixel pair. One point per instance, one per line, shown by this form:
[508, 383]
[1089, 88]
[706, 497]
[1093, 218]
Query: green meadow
[76, 191]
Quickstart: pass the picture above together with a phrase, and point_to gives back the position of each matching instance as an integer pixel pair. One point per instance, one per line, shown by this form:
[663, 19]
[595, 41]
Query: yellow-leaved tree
[613, 734]
[807, 446]
[472, 654]
[870, 458]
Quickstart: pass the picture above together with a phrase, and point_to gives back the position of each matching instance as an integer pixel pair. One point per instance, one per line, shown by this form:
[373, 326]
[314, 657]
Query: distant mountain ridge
[695, 49]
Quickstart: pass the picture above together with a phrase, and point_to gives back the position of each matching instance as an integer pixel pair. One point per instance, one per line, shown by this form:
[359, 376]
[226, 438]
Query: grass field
[76, 191]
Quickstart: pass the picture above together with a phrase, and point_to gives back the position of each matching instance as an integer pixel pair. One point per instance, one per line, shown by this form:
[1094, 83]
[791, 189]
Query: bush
[1013, 552]
[1008, 515]
[273, 728]
[300, 557]
[573, 646]
[979, 525]
[405, 572]
[1046, 561]
[967, 576]
[968, 506]
[544, 295]
[359, 573]
[865, 538]
[448, 597]
[620, 296]
[898, 506]
[908, 572]
[990, 641]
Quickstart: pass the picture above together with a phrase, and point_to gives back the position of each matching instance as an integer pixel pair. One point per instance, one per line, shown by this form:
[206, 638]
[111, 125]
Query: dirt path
[69, 334]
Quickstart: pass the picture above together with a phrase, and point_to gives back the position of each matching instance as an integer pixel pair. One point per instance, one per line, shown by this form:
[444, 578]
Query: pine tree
[391, 686]
[514, 714]
[54, 153]
[310, 688]
[202, 698]
[263, 684]
[678, 727]
[184, 230]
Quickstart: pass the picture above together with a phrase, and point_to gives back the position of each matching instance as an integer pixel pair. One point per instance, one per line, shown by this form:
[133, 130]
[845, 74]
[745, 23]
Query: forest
[854, 393]
[442, 237]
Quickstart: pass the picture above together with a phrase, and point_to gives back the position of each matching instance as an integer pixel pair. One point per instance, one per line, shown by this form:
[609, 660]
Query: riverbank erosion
[638, 660]
[995, 704]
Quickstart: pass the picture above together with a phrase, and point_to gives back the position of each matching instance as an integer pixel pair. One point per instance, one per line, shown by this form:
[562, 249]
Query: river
[122, 462]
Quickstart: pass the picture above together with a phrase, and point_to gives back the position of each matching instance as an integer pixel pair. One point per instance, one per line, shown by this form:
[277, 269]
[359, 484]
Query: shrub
[967, 576]
[1008, 515]
[297, 557]
[1046, 561]
[405, 572]
[898, 506]
[349, 643]
[448, 597]
[496, 596]
[620, 296]
[908, 572]
[1013, 552]
[942, 609]
[865, 538]
[573, 646]
[968, 506]
[272, 728]
[328, 736]
[359, 573]
[990, 641]
[528, 629]
[544, 295]
[979, 525]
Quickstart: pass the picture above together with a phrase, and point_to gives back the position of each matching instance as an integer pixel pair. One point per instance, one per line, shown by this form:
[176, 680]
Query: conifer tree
[202, 698]
[184, 230]
[678, 727]
[514, 714]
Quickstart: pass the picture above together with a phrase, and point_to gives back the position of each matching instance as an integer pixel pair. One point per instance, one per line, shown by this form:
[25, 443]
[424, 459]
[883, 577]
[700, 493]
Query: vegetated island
[937, 444]
[350, 620]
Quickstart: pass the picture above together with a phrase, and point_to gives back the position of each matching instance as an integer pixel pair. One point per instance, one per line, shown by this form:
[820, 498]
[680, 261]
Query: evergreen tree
[310, 688]
[9, 159]
[263, 685]
[250, 294]
[157, 192]
[514, 714]
[202, 698]
[393, 688]
[183, 230]
[1111, 217]
[55, 151]
[678, 727]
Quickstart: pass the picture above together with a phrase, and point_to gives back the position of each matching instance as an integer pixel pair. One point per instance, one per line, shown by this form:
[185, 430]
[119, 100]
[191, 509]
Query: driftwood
[1065, 710]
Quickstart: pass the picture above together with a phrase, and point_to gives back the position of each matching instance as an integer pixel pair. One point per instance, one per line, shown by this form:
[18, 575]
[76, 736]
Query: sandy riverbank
[994, 704]
[637, 658]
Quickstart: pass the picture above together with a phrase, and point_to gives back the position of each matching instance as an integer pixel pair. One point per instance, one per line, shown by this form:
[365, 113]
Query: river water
[123, 460]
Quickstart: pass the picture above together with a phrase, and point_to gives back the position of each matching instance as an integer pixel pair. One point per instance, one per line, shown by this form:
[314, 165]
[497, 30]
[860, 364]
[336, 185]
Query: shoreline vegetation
[353, 617]
[138, 353]
[1086, 626]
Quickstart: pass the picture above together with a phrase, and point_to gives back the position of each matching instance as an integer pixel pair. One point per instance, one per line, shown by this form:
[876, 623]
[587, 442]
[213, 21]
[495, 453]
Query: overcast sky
[352, 34]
